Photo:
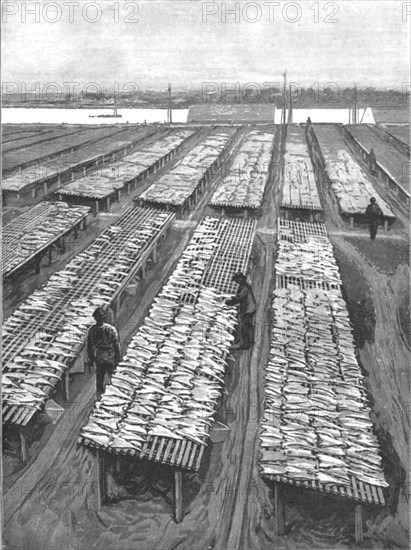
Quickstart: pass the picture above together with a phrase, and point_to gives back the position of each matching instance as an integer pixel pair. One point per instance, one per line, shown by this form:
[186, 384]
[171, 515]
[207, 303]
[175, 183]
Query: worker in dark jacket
[103, 348]
[373, 214]
[246, 311]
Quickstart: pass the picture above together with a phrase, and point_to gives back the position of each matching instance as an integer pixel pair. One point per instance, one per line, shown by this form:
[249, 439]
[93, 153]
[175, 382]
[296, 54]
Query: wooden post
[108, 203]
[279, 509]
[50, 254]
[96, 207]
[358, 524]
[45, 189]
[101, 479]
[154, 253]
[23, 447]
[66, 385]
[143, 271]
[178, 495]
[84, 222]
[33, 193]
[386, 225]
[76, 231]
[351, 222]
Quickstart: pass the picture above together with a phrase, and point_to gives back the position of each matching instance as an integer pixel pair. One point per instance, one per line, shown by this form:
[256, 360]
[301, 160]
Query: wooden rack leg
[50, 254]
[37, 260]
[154, 253]
[101, 479]
[279, 509]
[385, 225]
[358, 524]
[351, 222]
[178, 495]
[96, 206]
[23, 447]
[66, 385]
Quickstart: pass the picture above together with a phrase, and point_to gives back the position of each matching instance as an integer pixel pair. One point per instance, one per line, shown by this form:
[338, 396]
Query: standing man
[246, 311]
[373, 162]
[103, 348]
[373, 214]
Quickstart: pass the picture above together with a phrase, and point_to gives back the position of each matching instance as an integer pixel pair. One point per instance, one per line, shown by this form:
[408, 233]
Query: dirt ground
[51, 503]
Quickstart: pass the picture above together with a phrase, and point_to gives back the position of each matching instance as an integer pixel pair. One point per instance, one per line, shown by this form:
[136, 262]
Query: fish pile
[169, 382]
[299, 185]
[89, 152]
[36, 229]
[316, 425]
[312, 259]
[244, 185]
[171, 378]
[19, 180]
[394, 162]
[105, 181]
[180, 182]
[294, 231]
[53, 322]
[349, 183]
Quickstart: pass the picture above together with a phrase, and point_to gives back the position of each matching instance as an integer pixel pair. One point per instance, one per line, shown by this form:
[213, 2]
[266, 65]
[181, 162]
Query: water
[18, 115]
[335, 116]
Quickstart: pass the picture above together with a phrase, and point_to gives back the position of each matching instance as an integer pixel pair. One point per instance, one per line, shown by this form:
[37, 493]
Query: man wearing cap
[103, 348]
[246, 311]
[373, 214]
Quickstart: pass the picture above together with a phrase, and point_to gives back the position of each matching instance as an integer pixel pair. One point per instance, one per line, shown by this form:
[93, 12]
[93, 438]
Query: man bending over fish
[103, 348]
[246, 311]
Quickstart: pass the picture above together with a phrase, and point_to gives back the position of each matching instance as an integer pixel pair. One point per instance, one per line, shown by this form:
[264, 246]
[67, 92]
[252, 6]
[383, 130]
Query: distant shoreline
[97, 107]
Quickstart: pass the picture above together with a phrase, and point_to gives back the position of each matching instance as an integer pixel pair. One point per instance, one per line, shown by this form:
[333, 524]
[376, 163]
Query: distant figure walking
[373, 214]
[245, 299]
[103, 348]
[373, 162]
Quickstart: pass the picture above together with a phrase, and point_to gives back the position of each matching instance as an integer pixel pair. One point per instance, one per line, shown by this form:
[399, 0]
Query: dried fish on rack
[310, 260]
[180, 182]
[53, 321]
[316, 425]
[299, 186]
[36, 229]
[171, 378]
[115, 175]
[244, 185]
[349, 182]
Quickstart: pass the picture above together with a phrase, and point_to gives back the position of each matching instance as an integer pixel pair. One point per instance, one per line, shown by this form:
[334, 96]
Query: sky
[150, 43]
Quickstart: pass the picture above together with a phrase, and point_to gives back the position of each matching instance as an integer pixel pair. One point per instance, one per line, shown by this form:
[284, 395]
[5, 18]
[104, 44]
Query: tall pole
[170, 116]
[285, 96]
[355, 104]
